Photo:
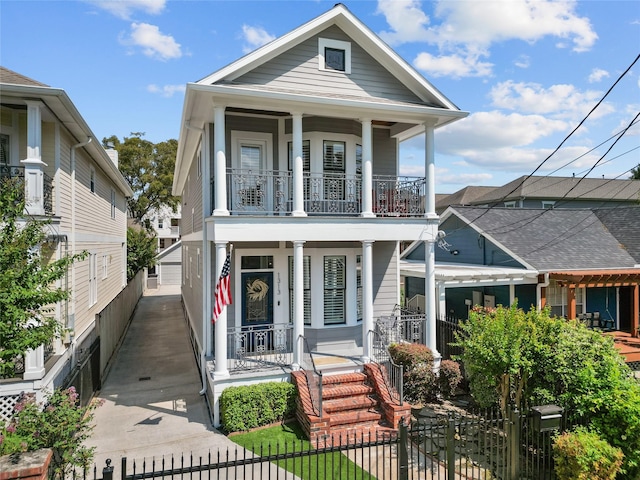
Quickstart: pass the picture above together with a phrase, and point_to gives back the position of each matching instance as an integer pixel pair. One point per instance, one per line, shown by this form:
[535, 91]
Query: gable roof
[624, 224]
[340, 16]
[464, 196]
[16, 88]
[549, 240]
[15, 78]
[546, 187]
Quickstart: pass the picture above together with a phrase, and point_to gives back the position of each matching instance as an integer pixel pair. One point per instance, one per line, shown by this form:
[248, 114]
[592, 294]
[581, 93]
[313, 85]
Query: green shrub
[246, 407]
[411, 354]
[420, 384]
[583, 455]
[449, 378]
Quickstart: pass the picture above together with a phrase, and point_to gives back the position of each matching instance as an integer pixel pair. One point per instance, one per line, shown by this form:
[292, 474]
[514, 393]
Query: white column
[430, 171]
[367, 299]
[34, 364]
[512, 294]
[220, 162]
[33, 174]
[221, 370]
[298, 167]
[298, 303]
[430, 299]
[367, 169]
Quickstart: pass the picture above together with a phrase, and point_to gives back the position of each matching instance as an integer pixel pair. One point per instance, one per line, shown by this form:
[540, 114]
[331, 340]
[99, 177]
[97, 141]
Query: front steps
[356, 408]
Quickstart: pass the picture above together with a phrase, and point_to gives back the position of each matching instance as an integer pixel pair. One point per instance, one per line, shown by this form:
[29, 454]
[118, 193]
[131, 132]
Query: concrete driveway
[152, 407]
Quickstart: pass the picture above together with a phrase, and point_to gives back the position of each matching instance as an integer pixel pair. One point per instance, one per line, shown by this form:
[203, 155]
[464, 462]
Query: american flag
[222, 295]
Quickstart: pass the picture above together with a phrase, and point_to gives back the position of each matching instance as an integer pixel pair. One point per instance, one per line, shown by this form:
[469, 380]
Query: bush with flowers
[60, 423]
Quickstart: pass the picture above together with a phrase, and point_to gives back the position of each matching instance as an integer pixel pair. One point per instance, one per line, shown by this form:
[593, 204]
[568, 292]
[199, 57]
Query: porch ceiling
[472, 275]
[597, 278]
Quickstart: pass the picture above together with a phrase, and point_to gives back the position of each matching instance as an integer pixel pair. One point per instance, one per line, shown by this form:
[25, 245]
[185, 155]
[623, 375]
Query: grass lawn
[332, 465]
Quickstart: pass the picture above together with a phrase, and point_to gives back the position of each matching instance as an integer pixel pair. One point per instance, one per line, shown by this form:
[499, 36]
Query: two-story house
[288, 163]
[70, 180]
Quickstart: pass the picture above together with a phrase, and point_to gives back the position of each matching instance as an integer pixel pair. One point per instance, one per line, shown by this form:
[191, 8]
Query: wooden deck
[628, 346]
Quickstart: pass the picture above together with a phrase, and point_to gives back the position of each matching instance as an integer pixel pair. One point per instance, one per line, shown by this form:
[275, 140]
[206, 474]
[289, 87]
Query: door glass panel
[257, 298]
[250, 157]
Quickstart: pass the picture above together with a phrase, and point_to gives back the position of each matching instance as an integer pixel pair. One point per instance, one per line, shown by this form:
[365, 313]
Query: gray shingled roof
[555, 188]
[464, 196]
[624, 224]
[9, 76]
[562, 239]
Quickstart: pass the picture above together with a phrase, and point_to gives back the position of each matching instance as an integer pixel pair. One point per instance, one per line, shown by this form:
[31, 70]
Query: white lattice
[7, 404]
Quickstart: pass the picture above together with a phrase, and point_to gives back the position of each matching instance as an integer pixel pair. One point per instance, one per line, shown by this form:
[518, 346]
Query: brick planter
[26, 466]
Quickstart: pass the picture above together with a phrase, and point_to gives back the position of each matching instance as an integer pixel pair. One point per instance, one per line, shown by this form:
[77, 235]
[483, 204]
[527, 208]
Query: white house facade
[301, 140]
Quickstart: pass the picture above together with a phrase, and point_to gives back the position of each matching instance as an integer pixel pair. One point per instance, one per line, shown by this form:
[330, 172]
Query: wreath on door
[257, 290]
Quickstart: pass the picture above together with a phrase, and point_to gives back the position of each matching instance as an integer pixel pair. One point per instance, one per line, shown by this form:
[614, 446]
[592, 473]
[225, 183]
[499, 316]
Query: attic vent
[334, 55]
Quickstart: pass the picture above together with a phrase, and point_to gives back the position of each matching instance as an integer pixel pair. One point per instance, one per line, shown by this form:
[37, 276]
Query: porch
[41, 186]
[271, 193]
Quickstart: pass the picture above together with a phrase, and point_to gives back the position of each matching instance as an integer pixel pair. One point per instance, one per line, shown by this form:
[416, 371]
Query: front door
[257, 311]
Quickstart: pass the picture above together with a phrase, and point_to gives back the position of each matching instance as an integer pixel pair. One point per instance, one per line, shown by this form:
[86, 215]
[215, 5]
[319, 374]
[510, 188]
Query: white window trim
[339, 45]
[265, 140]
[92, 180]
[93, 279]
[316, 149]
[113, 203]
[510, 204]
[548, 203]
[105, 266]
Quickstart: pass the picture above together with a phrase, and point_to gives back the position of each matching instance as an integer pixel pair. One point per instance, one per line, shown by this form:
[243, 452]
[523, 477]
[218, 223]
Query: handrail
[314, 381]
[392, 374]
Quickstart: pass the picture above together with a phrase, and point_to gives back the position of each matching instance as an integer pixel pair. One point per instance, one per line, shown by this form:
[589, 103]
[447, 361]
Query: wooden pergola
[573, 279]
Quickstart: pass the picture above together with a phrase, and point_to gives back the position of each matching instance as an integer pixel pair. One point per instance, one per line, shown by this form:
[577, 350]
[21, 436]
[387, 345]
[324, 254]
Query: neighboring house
[71, 180]
[554, 192]
[581, 262]
[166, 225]
[169, 265]
[464, 196]
[301, 140]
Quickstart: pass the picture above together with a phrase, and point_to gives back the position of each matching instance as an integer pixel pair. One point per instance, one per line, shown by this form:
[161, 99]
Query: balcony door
[252, 179]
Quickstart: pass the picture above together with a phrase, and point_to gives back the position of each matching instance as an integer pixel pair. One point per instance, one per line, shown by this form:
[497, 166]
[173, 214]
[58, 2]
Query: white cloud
[597, 74]
[561, 101]
[407, 20]
[464, 178]
[255, 37]
[154, 43]
[166, 91]
[467, 29]
[454, 66]
[125, 8]
[523, 61]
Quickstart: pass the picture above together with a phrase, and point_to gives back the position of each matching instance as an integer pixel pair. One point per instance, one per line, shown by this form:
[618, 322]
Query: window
[113, 203]
[93, 279]
[557, 300]
[548, 203]
[264, 262]
[5, 159]
[306, 156]
[92, 181]
[510, 204]
[334, 55]
[160, 223]
[198, 263]
[306, 267]
[358, 159]
[161, 243]
[334, 289]
[199, 164]
[334, 156]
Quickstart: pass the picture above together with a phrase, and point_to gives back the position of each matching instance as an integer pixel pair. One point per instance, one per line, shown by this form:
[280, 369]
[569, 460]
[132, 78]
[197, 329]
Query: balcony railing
[271, 193]
[259, 347]
[13, 171]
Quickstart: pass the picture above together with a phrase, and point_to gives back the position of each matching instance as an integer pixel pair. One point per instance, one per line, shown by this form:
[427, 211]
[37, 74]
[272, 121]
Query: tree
[141, 250]
[27, 279]
[148, 168]
[635, 173]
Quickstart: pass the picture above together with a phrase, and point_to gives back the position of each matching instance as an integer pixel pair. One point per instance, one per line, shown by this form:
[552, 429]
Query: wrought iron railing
[259, 192]
[314, 379]
[392, 374]
[271, 192]
[399, 196]
[259, 347]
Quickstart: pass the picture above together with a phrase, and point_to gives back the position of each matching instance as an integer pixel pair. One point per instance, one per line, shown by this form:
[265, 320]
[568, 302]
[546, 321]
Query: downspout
[539, 288]
[72, 167]
[205, 258]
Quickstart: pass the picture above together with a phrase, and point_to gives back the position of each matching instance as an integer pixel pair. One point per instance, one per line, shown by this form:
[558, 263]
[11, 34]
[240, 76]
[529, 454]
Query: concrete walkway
[152, 407]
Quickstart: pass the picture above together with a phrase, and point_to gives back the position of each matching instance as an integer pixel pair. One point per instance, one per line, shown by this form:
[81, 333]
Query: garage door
[170, 274]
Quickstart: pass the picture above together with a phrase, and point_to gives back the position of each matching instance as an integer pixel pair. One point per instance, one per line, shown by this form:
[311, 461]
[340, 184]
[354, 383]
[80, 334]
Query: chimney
[113, 155]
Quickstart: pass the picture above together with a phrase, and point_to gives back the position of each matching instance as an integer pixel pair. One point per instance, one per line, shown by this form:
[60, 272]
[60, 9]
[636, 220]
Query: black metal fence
[453, 445]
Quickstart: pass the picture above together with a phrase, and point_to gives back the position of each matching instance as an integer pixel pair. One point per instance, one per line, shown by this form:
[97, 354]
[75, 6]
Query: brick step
[357, 434]
[358, 402]
[345, 390]
[344, 378]
[355, 417]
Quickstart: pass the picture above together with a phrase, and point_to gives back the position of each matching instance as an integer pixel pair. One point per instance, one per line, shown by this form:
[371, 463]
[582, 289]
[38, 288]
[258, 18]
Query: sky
[528, 72]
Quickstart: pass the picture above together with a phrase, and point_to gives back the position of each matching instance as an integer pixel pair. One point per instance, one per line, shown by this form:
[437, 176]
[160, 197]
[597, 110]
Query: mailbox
[547, 418]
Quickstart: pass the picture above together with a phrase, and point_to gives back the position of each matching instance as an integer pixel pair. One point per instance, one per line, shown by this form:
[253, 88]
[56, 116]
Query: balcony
[12, 171]
[331, 194]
